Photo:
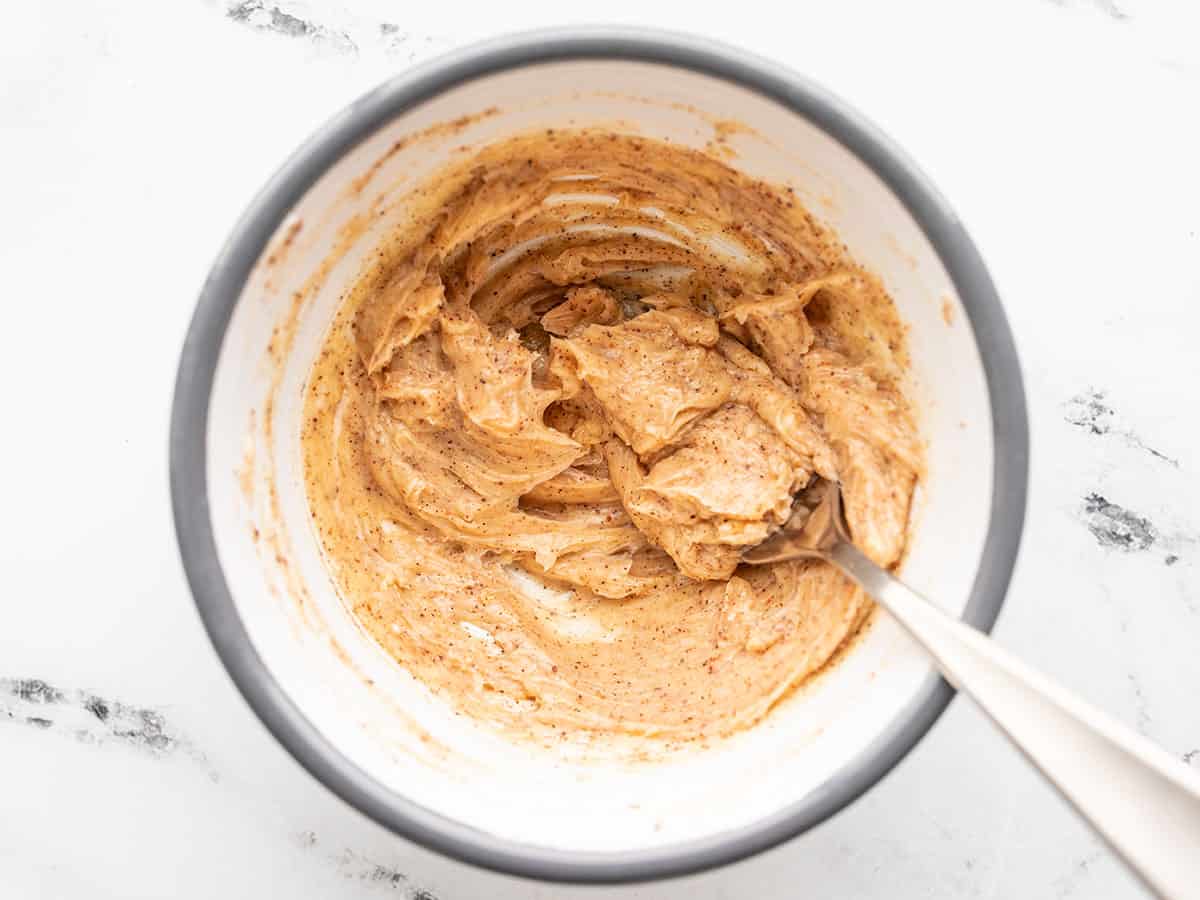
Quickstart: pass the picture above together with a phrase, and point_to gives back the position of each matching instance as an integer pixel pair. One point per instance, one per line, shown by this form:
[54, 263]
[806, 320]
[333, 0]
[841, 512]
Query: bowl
[358, 722]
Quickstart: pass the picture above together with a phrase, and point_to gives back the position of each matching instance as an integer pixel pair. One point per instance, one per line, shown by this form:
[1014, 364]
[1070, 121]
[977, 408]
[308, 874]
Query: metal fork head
[816, 526]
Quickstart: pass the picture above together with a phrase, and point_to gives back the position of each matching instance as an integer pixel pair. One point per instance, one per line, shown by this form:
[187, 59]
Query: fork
[1141, 800]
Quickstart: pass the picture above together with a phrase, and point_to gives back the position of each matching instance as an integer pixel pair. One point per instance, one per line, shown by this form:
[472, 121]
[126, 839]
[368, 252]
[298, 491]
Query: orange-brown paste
[589, 371]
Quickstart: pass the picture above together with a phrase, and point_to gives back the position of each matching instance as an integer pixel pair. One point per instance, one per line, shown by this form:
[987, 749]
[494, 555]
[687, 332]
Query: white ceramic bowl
[356, 720]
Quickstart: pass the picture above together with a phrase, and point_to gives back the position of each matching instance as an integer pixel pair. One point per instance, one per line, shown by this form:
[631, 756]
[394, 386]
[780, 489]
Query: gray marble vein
[1141, 704]
[354, 866]
[1116, 527]
[92, 719]
[1107, 7]
[1090, 411]
[1069, 884]
[272, 17]
[350, 36]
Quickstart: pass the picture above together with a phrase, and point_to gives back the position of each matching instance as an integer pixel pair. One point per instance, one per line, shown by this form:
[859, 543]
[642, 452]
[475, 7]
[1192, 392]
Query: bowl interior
[385, 723]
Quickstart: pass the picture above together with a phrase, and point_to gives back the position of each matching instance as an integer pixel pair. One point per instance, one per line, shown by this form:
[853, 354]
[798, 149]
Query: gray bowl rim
[219, 296]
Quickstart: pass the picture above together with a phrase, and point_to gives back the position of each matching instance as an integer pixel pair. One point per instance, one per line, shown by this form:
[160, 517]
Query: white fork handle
[1140, 799]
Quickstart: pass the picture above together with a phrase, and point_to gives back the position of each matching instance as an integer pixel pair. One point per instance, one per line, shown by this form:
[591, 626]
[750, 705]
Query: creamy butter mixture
[588, 373]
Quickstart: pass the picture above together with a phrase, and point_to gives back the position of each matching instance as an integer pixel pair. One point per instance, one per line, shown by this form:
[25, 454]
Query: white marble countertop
[1066, 134]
